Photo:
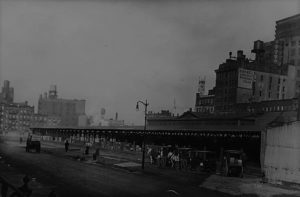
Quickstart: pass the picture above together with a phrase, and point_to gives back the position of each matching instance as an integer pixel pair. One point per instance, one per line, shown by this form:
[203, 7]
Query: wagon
[233, 163]
[33, 142]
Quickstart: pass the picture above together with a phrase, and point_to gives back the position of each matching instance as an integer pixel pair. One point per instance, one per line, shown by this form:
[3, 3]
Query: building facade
[15, 116]
[7, 93]
[67, 109]
[287, 37]
[240, 80]
[205, 103]
[38, 120]
[288, 34]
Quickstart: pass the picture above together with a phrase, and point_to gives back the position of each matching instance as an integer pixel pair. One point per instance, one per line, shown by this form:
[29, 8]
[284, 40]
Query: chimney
[117, 116]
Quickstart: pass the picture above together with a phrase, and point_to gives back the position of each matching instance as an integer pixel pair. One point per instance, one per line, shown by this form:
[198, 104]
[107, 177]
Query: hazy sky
[113, 53]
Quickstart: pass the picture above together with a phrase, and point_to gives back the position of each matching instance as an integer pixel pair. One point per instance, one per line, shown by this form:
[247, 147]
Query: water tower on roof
[53, 92]
[201, 86]
[102, 113]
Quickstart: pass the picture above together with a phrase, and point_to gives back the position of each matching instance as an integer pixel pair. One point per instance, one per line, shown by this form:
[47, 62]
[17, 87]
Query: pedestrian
[25, 188]
[244, 159]
[149, 153]
[87, 148]
[169, 158]
[67, 145]
[176, 160]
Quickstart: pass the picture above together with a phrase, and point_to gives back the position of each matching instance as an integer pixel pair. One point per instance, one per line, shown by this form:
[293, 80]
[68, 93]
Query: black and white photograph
[149, 98]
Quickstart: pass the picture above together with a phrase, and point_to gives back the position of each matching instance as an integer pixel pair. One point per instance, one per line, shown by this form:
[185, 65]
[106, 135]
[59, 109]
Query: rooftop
[288, 18]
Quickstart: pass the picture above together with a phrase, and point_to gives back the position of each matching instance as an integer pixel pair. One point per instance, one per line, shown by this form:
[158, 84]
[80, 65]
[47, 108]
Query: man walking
[67, 145]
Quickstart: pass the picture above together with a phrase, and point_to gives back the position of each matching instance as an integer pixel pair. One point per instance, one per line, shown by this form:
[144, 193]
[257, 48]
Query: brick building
[15, 116]
[205, 103]
[274, 74]
[240, 80]
[68, 110]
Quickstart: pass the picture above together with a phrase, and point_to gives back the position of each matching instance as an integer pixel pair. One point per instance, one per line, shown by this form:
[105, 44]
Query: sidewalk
[75, 151]
[247, 186]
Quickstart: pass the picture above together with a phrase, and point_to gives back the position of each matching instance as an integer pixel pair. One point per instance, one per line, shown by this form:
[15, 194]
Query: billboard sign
[245, 78]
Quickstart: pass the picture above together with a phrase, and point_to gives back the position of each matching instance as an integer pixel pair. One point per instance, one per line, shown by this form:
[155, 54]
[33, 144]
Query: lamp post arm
[145, 125]
[144, 103]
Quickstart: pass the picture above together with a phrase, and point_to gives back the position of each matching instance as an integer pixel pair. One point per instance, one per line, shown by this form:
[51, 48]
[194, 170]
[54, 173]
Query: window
[293, 43]
[293, 52]
[253, 88]
[261, 78]
[260, 93]
[269, 94]
[292, 61]
[283, 88]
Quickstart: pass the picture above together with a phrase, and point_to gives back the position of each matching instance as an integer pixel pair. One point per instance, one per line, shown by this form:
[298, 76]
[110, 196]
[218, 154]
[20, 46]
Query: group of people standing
[164, 158]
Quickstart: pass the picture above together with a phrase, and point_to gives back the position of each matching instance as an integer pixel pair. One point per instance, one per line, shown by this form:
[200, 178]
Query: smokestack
[53, 92]
[117, 116]
[6, 84]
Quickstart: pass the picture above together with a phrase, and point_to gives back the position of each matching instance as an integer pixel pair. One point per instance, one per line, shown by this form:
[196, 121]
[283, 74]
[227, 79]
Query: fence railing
[9, 190]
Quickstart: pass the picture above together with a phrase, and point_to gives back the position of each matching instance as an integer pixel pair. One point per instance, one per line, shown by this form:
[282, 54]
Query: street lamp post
[143, 145]
[298, 109]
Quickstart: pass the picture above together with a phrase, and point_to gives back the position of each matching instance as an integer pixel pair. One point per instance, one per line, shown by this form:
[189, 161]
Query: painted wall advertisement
[245, 78]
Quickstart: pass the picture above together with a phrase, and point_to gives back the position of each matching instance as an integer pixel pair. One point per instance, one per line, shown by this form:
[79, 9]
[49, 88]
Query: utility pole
[145, 127]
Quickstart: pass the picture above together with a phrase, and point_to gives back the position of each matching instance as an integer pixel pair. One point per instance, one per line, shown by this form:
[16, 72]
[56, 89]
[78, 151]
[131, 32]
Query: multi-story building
[240, 80]
[269, 106]
[288, 33]
[287, 37]
[229, 90]
[21, 116]
[38, 120]
[160, 115]
[68, 110]
[7, 93]
[15, 116]
[204, 103]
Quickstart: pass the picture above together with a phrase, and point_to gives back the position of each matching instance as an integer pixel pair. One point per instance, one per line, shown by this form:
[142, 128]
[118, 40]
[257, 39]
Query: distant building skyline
[86, 49]
[69, 110]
